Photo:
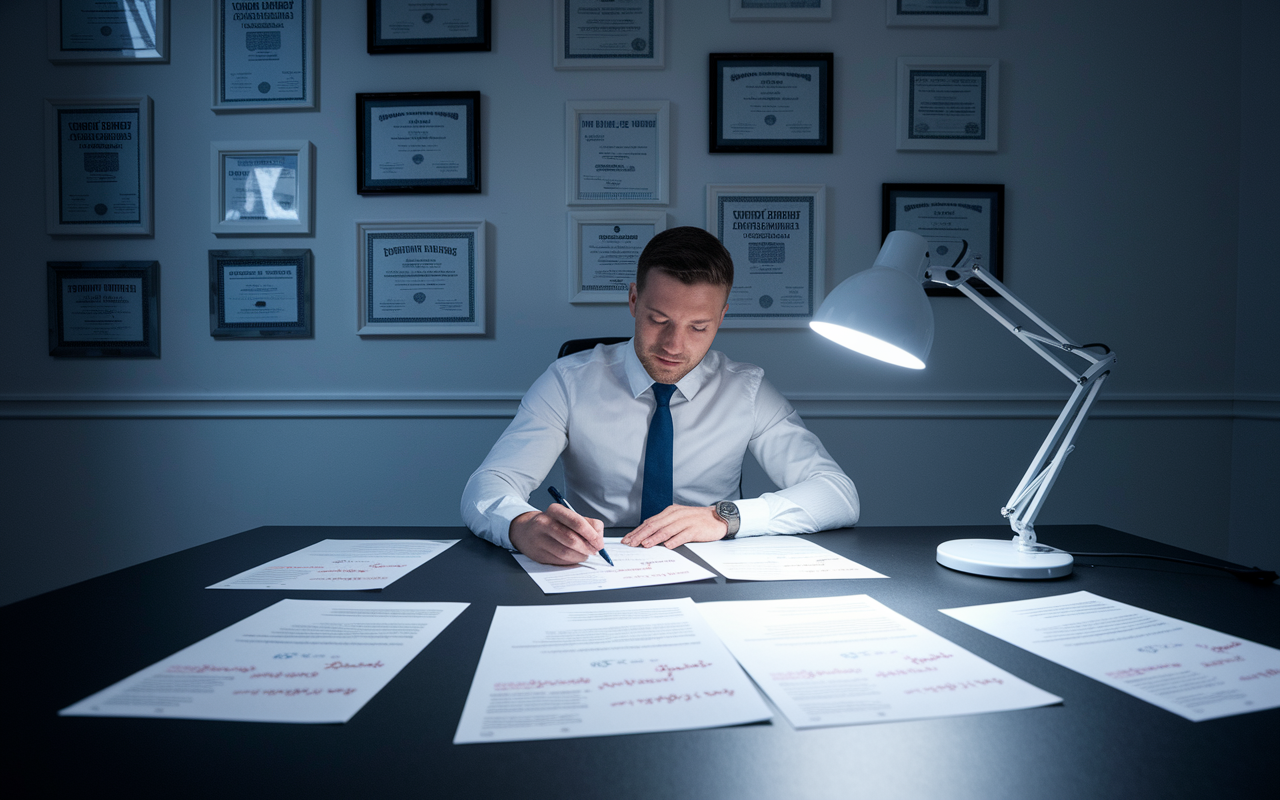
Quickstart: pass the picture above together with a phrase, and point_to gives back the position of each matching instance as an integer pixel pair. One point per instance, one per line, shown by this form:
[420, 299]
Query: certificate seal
[100, 209]
[105, 30]
[638, 44]
[617, 229]
[417, 158]
[419, 297]
[765, 301]
[426, 18]
[770, 119]
[264, 87]
[941, 249]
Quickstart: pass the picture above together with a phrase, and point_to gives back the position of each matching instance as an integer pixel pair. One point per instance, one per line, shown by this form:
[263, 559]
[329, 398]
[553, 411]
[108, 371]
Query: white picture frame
[775, 11]
[645, 27]
[393, 301]
[970, 88]
[80, 31]
[289, 210]
[284, 78]
[98, 166]
[942, 13]
[776, 235]
[595, 256]
[639, 155]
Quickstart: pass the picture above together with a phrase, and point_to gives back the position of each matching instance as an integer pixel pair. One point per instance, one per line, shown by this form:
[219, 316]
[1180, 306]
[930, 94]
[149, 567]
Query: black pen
[559, 498]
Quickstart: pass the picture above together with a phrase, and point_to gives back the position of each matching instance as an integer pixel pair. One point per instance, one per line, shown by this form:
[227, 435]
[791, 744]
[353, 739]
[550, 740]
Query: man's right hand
[557, 536]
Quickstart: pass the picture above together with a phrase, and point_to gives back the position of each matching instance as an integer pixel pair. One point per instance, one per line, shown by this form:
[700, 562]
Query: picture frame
[81, 31]
[104, 309]
[776, 235]
[264, 68]
[944, 214]
[780, 10]
[261, 294]
[98, 166]
[389, 160]
[394, 27]
[617, 152]
[421, 278]
[635, 39]
[261, 187]
[942, 13]
[948, 104]
[604, 246]
[771, 103]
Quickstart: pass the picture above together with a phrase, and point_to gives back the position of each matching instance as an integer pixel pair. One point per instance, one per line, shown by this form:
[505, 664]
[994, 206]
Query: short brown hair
[691, 255]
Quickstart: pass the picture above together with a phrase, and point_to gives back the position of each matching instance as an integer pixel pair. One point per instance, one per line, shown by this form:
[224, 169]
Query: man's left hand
[677, 525]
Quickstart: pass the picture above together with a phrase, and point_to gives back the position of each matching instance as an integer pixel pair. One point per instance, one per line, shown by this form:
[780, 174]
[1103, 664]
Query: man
[596, 409]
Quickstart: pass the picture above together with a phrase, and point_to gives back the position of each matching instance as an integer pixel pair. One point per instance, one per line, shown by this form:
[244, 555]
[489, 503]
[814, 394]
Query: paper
[1197, 673]
[312, 661]
[850, 660]
[598, 669]
[777, 558]
[633, 566]
[347, 564]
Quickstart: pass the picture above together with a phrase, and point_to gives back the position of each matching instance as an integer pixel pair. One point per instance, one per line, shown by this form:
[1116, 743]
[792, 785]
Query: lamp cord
[1247, 574]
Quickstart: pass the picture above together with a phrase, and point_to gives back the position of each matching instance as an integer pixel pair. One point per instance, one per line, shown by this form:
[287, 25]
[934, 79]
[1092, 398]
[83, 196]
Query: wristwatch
[729, 513]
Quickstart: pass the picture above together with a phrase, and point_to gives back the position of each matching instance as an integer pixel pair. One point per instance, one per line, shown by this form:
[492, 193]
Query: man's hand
[676, 525]
[557, 536]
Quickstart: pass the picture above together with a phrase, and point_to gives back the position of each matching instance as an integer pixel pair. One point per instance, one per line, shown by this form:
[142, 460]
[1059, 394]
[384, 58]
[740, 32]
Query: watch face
[727, 509]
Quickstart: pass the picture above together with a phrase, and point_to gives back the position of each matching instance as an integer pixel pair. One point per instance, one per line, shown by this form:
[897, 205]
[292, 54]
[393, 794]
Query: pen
[559, 498]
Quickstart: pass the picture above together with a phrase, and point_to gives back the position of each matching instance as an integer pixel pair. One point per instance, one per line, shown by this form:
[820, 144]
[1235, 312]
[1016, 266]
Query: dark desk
[64, 645]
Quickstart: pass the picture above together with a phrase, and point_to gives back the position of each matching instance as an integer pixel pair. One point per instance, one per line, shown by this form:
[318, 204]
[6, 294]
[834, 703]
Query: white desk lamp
[883, 312]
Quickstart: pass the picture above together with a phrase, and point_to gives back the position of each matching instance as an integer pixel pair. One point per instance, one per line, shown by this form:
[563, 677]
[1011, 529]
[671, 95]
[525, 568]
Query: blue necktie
[657, 488]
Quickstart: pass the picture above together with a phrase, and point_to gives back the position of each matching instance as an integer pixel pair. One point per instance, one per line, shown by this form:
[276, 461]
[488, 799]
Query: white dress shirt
[593, 409]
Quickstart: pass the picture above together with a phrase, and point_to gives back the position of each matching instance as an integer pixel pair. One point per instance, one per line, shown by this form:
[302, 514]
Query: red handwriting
[671, 670]
[635, 682]
[672, 698]
[897, 673]
[387, 566]
[1221, 661]
[538, 684]
[194, 669]
[293, 692]
[344, 665]
[370, 578]
[341, 570]
[1134, 672]
[1221, 648]
[285, 675]
[811, 673]
[955, 687]
[926, 659]
[1266, 673]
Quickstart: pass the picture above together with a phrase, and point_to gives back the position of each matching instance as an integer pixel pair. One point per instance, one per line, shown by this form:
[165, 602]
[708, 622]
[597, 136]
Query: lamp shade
[883, 312]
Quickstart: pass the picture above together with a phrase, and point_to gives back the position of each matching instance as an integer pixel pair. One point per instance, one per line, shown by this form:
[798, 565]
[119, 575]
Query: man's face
[675, 324]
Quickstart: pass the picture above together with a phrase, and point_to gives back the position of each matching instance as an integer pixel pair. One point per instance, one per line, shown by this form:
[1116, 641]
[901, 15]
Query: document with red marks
[345, 564]
[851, 660]
[1197, 673]
[633, 566]
[311, 661]
[600, 669]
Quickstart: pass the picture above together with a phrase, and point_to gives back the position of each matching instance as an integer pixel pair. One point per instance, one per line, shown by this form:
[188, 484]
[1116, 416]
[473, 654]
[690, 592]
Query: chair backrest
[577, 345]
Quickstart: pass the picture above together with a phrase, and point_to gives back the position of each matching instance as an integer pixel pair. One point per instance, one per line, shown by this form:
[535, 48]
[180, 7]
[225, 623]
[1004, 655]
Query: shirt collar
[639, 379]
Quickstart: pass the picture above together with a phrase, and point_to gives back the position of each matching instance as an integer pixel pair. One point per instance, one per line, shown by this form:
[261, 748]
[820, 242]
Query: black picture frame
[120, 295]
[367, 104]
[481, 42]
[223, 262]
[942, 195]
[719, 143]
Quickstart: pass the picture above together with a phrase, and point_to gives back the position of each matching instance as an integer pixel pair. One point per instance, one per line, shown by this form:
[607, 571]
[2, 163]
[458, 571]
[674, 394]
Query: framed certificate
[617, 151]
[609, 34]
[780, 9]
[947, 215]
[108, 30]
[771, 103]
[943, 13]
[98, 166]
[260, 187]
[429, 26]
[418, 142]
[948, 103]
[256, 294]
[420, 278]
[104, 309]
[604, 247]
[264, 54]
[776, 236]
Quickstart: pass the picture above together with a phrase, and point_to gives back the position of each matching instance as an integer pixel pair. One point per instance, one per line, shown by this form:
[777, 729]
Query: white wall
[1121, 132]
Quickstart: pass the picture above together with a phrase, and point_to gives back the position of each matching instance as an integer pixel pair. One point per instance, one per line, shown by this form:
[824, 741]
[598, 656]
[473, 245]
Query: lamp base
[998, 558]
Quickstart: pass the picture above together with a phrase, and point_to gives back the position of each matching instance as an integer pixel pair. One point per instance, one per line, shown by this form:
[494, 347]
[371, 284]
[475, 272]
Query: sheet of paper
[348, 564]
[311, 661]
[598, 669]
[1197, 673]
[632, 566]
[851, 660]
[778, 558]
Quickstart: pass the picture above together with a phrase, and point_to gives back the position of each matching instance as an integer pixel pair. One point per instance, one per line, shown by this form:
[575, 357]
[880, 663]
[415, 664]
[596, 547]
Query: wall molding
[502, 405]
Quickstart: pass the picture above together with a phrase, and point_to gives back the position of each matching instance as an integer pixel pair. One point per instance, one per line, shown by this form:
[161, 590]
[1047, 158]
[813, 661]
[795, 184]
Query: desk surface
[62, 646]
